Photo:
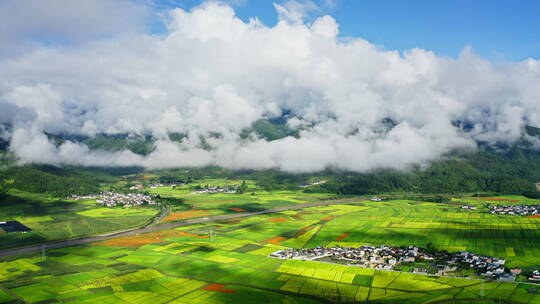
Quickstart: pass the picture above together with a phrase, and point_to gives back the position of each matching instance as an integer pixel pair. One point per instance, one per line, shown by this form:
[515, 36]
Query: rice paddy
[227, 261]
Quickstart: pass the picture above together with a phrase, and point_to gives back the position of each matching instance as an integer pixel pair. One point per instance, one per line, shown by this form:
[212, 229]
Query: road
[98, 238]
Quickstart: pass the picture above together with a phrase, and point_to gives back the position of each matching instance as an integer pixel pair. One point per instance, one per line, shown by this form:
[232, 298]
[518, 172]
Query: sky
[499, 30]
[338, 71]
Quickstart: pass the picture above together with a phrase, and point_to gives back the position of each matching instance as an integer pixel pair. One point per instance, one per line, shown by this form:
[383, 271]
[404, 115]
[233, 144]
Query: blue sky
[497, 30]
[100, 66]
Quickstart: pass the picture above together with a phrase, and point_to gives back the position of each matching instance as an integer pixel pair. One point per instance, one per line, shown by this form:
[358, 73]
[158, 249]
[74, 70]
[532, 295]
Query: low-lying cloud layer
[213, 73]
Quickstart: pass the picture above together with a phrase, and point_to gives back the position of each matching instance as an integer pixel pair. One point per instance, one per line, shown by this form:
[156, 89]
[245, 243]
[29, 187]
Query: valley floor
[227, 261]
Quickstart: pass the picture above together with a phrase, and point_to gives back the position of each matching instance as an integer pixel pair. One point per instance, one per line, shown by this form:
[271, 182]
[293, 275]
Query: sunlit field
[53, 218]
[185, 204]
[227, 261]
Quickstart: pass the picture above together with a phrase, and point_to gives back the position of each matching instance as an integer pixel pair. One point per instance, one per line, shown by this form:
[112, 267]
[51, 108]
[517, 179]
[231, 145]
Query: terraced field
[227, 262]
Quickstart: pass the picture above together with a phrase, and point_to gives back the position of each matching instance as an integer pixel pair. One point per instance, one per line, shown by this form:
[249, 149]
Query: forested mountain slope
[501, 168]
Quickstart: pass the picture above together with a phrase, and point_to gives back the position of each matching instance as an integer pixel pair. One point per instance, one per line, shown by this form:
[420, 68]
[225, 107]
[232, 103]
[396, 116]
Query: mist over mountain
[297, 96]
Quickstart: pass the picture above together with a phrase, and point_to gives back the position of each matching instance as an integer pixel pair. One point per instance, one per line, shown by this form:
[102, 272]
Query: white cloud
[213, 73]
[295, 11]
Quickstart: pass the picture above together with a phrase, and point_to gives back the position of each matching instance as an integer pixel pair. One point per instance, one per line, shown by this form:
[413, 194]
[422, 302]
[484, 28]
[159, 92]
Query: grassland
[53, 218]
[227, 261]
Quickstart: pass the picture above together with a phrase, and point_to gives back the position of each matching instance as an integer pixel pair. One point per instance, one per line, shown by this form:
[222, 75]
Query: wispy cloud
[296, 12]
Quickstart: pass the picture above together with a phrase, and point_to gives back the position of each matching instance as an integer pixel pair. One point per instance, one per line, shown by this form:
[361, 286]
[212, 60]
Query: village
[156, 185]
[535, 276]
[113, 199]
[215, 189]
[524, 210]
[391, 258]
[153, 186]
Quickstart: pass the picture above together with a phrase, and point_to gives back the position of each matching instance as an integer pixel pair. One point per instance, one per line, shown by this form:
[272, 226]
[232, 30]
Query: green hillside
[500, 168]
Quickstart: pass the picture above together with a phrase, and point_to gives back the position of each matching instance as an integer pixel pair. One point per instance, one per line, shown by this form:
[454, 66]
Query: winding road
[135, 231]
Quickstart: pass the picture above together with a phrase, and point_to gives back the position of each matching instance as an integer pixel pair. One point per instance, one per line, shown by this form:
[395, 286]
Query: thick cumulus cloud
[212, 73]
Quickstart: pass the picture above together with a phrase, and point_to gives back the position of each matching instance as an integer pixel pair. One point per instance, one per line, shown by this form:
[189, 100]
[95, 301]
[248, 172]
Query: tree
[4, 187]
[243, 188]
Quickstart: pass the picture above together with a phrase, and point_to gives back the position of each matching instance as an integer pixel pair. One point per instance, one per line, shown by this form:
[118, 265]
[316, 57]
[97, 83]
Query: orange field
[219, 288]
[277, 220]
[276, 240]
[237, 209]
[130, 241]
[162, 235]
[185, 214]
[342, 236]
[498, 199]
[148, 238]
[194, 235]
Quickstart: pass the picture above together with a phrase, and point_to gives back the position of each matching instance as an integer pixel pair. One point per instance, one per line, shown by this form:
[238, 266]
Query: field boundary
[140, 230]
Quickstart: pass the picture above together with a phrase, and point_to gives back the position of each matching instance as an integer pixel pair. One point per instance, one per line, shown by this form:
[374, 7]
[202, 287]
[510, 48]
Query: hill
[500, 168]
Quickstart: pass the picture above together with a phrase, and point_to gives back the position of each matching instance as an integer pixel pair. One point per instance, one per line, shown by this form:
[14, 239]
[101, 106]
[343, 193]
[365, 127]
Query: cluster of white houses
[485, 265]
[515, 209]
[216, 189]
[153, 186]
[387, 258]
[383, 257]
[535, 276]
[113, 199]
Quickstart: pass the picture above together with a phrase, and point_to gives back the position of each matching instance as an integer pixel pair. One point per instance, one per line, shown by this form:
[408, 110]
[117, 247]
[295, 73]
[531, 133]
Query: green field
[182, 199]
[254, 198]
[53, 218]
[186, 265]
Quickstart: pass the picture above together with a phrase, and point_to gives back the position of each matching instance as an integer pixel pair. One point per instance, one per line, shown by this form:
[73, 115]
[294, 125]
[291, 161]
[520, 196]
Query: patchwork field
[54, 219]
[227, 261]
[186, 205]
[253, 198]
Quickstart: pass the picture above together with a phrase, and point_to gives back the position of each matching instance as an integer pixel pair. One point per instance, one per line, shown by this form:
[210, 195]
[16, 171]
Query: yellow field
[117, 212]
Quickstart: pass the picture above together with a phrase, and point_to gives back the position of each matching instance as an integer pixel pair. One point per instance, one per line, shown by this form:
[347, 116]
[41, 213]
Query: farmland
[254, 199]
[187, 205]
[227, 261]
[52, 218]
